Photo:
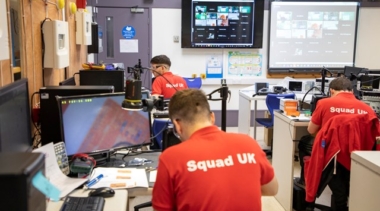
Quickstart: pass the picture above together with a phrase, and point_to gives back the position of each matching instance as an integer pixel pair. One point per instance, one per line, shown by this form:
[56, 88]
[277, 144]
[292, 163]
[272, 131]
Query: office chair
[273, 103]
[143, 205]
[193, 83]
[330, 163]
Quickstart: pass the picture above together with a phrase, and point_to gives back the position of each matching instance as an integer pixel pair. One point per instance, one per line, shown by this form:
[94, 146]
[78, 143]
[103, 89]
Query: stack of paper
[54, 174]
[118, 178]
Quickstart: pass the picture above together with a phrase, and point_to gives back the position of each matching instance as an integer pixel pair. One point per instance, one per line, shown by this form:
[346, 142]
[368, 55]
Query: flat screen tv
[306, 36]
[15, 120]
[97, 123]
[222, 24]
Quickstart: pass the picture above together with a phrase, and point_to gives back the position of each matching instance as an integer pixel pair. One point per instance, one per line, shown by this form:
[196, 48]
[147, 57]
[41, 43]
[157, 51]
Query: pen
[93, 181]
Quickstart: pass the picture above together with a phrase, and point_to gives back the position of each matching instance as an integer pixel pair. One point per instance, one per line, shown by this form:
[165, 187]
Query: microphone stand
[323, 73]
[224, 92]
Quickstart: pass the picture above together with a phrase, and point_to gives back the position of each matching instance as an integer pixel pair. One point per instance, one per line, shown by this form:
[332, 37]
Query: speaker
[96, 38]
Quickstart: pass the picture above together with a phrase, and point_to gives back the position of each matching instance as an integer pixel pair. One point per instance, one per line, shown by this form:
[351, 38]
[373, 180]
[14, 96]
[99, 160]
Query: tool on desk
[93, 181]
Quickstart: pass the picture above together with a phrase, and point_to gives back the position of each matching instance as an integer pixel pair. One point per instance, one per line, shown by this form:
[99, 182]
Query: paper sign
[42, 184]
[129, 46]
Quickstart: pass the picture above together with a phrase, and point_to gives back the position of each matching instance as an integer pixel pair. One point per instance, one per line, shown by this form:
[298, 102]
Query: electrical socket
[176, 38]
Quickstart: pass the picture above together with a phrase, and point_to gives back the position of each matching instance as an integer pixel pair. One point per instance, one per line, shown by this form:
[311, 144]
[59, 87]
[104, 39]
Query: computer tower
[103, 77]
[17, 171]
[49, 114]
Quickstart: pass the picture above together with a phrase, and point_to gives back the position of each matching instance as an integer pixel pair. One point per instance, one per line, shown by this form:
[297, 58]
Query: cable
[31, 103]
[163, 76]
[43, 50]
[303, 99]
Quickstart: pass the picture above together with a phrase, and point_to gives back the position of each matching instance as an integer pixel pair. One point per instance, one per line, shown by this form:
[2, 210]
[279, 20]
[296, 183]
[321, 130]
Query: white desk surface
[246, 93]
[370, 159]
[115, 203]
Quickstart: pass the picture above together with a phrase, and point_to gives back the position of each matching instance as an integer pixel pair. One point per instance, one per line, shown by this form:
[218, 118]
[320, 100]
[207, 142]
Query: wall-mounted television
[305, 36]
[222, 23]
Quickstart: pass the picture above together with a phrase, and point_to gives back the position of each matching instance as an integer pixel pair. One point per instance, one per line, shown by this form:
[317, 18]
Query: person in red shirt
[341, 101]
[210, 169]
[165, 83]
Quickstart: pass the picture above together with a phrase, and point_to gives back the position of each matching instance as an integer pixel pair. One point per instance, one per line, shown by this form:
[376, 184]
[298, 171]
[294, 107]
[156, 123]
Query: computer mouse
[104, 192]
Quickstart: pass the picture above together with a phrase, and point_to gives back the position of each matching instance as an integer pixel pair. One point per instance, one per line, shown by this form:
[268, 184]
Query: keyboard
[83, 204]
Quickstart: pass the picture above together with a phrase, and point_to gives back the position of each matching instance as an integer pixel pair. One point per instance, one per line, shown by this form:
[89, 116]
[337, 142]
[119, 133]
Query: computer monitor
[103, 77]
[15, 120]
[49, 115]
[295, 86]
[97, 123]
[68, 82]
[352, 72]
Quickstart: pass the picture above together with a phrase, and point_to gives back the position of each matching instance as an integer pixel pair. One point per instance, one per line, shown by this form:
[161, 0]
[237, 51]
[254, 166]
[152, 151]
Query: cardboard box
[268, 132]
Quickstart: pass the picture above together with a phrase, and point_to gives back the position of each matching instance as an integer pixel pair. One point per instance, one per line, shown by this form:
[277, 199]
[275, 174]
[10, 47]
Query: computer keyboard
[83, 204]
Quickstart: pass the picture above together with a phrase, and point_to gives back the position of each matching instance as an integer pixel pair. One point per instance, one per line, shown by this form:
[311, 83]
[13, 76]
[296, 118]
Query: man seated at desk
[342, 101]
[165, 83]
[210, 169]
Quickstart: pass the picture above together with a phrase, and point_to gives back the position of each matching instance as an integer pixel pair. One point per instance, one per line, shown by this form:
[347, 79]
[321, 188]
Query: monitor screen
[222, 24]
[49, 116]
[113, 78]
[96, 123]
[15, 120]
[306, 36]
[352, 72]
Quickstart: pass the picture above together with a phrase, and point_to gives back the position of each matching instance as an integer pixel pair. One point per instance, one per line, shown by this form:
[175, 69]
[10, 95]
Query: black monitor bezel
[258, 27]
[60, 98]
[13, 89]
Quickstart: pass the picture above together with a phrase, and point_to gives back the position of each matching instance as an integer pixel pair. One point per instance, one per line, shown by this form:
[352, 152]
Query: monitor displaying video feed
[97, 123]
[309, 35]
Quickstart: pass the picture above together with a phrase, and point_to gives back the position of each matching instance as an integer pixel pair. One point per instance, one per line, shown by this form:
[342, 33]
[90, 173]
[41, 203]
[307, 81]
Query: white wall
[368, 41]
[166, 23]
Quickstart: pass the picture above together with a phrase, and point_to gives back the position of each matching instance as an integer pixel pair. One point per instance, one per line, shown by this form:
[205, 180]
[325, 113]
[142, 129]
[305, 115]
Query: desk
[365, 180]
[115, 203]
[245, 99]
[285, 134]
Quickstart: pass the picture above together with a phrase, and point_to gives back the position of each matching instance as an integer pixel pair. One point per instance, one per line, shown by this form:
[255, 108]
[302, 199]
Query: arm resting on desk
[271, 188]
[312, 128]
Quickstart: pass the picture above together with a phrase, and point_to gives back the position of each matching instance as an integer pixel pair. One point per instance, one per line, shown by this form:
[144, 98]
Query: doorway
[126, 38]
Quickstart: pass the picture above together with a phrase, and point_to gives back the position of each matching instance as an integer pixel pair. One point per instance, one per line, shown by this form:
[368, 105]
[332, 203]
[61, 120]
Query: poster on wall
[242, 63]
[214, 66]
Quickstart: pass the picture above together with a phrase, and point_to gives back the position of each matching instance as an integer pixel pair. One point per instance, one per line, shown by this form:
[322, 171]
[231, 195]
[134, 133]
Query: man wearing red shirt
[342, 101]
[165, 83]
[210, 169]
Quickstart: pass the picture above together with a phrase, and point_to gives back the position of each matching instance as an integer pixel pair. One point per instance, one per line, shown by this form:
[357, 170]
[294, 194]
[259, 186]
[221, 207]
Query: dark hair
[341, 84]
[161, 59]
[189, 105]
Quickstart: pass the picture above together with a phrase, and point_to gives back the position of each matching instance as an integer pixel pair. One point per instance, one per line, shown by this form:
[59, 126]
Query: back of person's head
[341, 84]
[161, 59]
[189, 105]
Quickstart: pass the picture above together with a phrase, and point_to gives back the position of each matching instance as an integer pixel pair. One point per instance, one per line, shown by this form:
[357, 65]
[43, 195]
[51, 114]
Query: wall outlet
[176, 38]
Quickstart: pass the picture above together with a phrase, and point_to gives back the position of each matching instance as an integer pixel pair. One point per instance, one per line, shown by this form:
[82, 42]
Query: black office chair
[143, 205]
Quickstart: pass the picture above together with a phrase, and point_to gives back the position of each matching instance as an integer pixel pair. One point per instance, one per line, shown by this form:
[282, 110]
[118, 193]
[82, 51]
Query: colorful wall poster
[242, 63]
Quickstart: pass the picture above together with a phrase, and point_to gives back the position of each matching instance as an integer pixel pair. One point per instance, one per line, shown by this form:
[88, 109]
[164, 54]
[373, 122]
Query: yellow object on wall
[60, 4]
[73, 8]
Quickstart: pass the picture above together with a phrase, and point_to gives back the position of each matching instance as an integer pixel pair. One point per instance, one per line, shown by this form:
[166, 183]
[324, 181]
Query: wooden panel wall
[34, 13]
[5, 72]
